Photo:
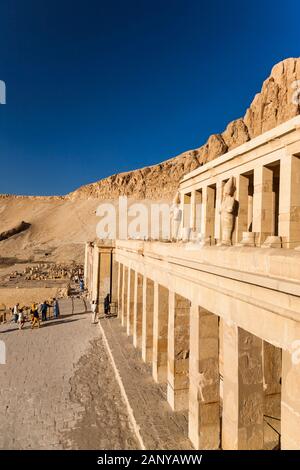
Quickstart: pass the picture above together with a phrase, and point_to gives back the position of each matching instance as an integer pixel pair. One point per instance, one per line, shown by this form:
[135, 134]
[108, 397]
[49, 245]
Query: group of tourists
[35, 313]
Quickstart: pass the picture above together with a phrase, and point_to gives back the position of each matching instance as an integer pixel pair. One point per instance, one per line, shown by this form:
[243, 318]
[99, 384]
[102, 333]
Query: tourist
[94, 311]
[81, 285]
[107, 304]
[21, 319]
[44, 308]
[55, 308]
[16, 313]
[35, 318]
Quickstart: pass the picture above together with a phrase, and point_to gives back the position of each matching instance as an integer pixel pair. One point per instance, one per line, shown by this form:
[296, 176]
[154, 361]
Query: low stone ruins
[47, 271]
[37, 282]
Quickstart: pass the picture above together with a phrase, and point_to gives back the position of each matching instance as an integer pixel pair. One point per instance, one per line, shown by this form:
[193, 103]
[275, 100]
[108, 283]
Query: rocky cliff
[269, 108]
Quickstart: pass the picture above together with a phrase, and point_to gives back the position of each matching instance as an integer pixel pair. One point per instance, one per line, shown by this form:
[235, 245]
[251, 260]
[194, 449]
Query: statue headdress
[229, 187]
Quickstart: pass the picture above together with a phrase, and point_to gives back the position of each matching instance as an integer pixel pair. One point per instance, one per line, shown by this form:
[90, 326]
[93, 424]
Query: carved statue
[176, 215]
[228, 212]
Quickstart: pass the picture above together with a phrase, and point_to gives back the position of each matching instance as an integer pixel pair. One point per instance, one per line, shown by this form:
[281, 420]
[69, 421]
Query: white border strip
[134, 424]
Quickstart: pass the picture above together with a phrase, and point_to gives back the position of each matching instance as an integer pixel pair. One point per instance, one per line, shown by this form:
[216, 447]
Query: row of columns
[256, 213]
[182, 341]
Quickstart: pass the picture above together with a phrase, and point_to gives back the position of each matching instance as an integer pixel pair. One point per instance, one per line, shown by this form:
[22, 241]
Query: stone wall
[26, 296]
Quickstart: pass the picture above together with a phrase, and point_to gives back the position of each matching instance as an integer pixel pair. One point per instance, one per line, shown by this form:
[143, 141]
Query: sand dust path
[57, 389]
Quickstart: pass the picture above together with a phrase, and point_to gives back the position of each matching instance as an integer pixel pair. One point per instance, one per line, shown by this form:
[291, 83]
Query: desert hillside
[60, 225]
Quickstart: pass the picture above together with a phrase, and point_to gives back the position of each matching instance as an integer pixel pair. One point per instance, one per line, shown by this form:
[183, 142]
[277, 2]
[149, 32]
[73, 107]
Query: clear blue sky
[99, 87]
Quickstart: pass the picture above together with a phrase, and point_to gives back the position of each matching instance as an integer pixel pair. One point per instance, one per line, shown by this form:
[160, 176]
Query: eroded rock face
[235, 134]
[269, 108]
[274, 104]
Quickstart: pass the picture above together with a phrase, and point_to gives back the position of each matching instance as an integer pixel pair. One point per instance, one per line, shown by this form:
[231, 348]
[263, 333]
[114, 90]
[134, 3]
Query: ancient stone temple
[217, 313]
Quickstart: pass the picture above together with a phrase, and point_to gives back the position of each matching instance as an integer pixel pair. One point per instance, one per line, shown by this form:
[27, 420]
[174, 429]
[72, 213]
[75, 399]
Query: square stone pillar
[196, 201]
[160, 333]
[187, 211]
[90, 272]
[88, 266]
[241, 223]
[272, 367]
[208, 213]
[138, 310]
[86, 262]
[178, 352]
[193, 210]
[263, 203]
[204, 392]
[124, 295]
[96, 267]
[105, 273]
[290, 401]
[219, 195]
[198, 210]
[243, 394]
[203, 212]
[120, 286]
[289, 201]
[114, 278]
[147, 323]
[182, 213]
[130, 302]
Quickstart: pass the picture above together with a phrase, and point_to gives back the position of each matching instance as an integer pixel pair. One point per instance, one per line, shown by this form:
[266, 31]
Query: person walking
[55, 308]
[107, 304]
[21, 319]
[44, 309]
[94, 309]
[16, 313]
[35, 318]
[81, 285]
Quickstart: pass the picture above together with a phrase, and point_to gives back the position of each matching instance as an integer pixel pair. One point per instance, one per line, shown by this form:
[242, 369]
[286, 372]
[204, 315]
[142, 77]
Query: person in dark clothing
[55, 308]
[107, 304]
[35, 319]
[44, 308]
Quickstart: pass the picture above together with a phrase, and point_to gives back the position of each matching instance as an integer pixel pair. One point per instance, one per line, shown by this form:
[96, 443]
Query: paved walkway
[58, 389]
[159, 426]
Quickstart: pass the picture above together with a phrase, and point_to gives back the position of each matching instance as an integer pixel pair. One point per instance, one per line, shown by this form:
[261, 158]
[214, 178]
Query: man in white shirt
[94, 311]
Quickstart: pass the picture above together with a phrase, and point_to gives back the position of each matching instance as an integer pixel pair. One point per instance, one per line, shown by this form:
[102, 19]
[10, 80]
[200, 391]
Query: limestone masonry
[216, 312]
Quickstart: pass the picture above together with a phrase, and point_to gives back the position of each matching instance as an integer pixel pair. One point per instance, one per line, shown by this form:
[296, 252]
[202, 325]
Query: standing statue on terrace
[176, 215]
[228, 212]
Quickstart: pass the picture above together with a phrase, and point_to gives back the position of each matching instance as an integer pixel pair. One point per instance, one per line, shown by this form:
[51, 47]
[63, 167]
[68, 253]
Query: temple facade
[216, 309]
